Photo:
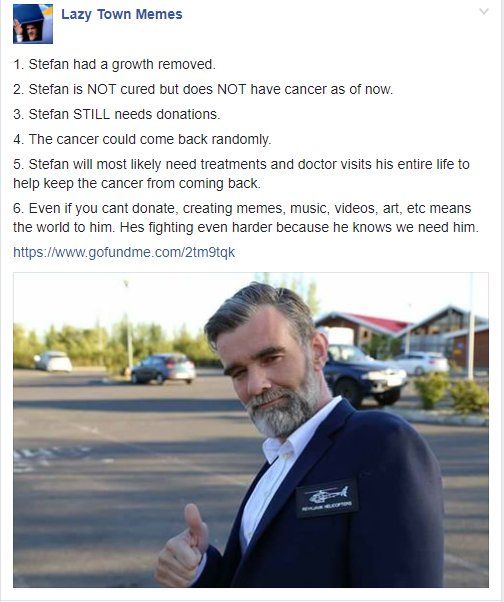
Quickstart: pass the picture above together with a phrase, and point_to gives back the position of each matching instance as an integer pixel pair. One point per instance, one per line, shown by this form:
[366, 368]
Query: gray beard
[282, 419]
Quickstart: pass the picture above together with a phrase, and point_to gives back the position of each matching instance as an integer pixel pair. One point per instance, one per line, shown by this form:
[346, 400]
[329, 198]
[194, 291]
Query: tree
[264, 277]
[25, 346]
[382, 346]
[195, 347]
[296, 283]
[148, 339]
[97, 347]
[52, 339]
[312, 299]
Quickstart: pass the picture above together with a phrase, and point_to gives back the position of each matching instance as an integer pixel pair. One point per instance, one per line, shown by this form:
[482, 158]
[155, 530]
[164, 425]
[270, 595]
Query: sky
[174, 299]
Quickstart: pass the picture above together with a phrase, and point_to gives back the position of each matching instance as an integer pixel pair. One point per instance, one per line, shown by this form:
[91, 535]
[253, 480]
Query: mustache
[258, 400]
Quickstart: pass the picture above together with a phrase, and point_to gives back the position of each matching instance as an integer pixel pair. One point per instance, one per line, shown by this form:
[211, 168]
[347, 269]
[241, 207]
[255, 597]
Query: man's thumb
[194, 521]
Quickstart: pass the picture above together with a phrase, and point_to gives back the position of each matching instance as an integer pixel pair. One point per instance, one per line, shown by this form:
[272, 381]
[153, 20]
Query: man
[345, 499]
[31, 33]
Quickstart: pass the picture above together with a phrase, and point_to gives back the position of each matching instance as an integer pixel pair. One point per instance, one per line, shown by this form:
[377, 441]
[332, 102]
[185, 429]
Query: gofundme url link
[94, 254]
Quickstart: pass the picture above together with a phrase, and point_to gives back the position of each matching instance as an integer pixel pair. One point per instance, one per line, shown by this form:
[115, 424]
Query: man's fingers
[180, 558]
[177, 562]
[182, 551]
[168, 562]
[193, 520]
[169, 579]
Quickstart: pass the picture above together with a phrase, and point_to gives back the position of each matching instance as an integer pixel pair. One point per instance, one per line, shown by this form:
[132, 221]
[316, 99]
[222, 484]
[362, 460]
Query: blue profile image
[33, 23]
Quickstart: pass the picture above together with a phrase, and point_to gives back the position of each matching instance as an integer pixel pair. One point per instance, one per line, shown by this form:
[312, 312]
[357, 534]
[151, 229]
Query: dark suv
[349, 372]
[163, 366]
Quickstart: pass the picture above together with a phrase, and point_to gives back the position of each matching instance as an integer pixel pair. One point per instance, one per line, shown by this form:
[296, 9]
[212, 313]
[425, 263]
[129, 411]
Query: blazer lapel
[315, 449]
[232, 553]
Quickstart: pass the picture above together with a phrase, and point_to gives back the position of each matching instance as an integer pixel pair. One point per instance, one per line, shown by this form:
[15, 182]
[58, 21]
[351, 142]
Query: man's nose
[257, 382]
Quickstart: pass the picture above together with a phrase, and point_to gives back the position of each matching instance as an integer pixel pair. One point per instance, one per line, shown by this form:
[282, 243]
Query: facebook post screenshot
[251, 300]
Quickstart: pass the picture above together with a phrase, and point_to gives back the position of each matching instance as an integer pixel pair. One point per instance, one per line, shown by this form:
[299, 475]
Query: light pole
[470, 332]
[408, 333]
[100, 341]
[128, 332]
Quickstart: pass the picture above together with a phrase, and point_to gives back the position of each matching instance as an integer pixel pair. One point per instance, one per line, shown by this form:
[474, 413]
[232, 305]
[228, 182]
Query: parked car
[53, 361]
[421, 362]
[351, 373]
[163, 366]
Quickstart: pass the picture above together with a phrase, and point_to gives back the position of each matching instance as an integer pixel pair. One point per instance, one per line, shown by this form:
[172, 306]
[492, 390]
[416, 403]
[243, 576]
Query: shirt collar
[298, 440]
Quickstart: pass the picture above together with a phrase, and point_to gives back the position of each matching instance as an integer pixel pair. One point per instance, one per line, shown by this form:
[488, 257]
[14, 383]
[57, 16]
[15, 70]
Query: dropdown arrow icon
[484, 11]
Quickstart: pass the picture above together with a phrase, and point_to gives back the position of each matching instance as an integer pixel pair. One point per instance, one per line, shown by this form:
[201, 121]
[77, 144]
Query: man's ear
[319, 345]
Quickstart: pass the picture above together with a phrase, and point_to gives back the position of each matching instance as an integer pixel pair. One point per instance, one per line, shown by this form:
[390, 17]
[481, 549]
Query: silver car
[422, 362]
[53, 361]
[163, 366]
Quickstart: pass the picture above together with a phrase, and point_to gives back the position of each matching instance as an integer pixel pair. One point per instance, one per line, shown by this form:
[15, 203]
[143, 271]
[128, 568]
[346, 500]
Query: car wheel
[134, 379]
[189, 381]
[350, 390]
[388, 398]
[160, 378]
[419, 371]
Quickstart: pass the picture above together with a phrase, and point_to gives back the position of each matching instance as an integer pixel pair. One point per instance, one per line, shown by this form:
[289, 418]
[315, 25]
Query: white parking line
[465, 564]
[20, 468]
[166, 459]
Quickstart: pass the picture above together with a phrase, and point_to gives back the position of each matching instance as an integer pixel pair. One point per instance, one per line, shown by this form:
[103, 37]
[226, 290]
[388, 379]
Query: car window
[347, 353]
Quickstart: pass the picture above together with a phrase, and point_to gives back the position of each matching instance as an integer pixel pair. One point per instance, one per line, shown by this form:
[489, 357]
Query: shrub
[454, 367]
[468, 396]
[431, 388]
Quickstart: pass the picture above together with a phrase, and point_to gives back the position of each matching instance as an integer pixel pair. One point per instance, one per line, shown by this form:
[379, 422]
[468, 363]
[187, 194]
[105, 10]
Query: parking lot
[102, 470]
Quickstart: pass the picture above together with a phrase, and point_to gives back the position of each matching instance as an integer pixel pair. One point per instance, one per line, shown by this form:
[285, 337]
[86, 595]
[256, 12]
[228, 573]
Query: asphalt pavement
[103, 469]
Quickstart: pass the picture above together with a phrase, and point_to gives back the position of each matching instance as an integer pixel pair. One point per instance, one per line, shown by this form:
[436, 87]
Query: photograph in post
[181, 429]
[33, 23]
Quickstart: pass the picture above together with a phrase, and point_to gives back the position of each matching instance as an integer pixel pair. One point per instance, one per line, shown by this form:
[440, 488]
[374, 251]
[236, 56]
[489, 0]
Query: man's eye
[271, 359]
[238, 374]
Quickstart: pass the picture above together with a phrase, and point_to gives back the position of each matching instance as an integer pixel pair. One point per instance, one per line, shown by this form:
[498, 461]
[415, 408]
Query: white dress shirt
[281, 456]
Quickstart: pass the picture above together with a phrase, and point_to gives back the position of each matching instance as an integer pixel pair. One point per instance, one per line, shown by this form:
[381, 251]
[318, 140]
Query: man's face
[31, 31]
[273, 376]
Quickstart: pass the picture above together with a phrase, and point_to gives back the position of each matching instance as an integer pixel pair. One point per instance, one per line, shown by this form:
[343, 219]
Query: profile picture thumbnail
[33, 23]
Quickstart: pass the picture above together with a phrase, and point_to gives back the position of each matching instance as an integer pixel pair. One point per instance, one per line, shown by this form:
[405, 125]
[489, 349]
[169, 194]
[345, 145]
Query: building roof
[385, 323]
[436, 315]
[394, 328]
[465, 331]
[380, 325]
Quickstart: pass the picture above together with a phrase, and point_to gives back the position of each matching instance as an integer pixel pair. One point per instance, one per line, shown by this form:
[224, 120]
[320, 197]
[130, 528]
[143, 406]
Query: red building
[442, 331]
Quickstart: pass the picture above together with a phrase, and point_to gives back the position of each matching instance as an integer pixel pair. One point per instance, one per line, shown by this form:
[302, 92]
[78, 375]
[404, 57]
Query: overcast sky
[82, 300]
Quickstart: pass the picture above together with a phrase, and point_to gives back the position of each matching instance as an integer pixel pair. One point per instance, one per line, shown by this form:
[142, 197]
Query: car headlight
[374, 375]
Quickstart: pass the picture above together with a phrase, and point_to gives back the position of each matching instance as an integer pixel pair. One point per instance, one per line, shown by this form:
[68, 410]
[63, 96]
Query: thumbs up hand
[196, 528]
[178, 561]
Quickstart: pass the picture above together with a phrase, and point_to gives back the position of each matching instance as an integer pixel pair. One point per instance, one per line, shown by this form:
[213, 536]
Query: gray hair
[242, 306]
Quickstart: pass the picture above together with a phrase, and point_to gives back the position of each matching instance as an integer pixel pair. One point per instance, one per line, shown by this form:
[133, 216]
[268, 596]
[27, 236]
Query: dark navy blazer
[393, 539]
